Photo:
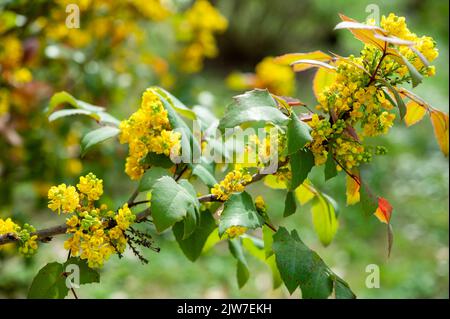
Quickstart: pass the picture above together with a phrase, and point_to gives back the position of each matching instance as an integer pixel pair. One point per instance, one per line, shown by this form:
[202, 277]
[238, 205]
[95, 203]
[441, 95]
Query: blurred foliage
[413, 175]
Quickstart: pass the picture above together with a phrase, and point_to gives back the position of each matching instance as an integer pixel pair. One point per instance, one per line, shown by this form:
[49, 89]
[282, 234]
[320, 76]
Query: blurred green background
[414, 175]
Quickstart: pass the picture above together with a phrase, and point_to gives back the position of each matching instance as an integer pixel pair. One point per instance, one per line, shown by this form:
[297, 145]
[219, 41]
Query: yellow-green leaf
[288, 59]
[323, 78]
[440, 125]
[414, 113]
[352, 191]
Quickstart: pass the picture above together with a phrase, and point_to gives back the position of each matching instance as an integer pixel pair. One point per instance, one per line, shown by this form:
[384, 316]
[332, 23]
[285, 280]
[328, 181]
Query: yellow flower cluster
[147, 131]
[396, 26]
[197, 28]
[355, 97]
[235, 231]
[90, 186]
[27, 241]
[97, 233]
[93, 238]
[234, 182]
[63, 198]
[278, 79]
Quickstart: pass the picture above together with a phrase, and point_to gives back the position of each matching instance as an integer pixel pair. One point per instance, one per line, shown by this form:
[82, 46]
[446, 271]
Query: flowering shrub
[358, 97]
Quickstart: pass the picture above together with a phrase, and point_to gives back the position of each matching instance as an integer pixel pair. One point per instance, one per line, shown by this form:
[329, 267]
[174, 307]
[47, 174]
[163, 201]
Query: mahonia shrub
[359, 97]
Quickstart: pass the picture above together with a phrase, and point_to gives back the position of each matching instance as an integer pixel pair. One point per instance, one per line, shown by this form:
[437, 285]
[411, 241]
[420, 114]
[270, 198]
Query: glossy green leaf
[298, 134]
[301, 164]
[242, 272]
[193, 246]
[253, 106]
[172, 203]
[239, 210]
[300, 266]
[330, 168]
[97, 136]
[290, 206]
[150, 177]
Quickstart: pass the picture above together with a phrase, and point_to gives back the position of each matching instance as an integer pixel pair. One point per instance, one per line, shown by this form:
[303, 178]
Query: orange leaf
[352, 192]
[362, 32]
[384, 210]
[414, 113]
[440, 125]
[322, 79]
[288, 59]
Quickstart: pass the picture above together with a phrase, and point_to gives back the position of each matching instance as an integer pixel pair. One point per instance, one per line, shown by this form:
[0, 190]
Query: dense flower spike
[148, 131]
[355, 98]
[234, 182]
[97, 233]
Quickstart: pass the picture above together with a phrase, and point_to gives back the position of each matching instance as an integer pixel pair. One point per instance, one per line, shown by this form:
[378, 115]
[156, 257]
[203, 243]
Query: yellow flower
[90, 186]
[63, 198]
[124, 217]
[235, 231]
[234, 182]
[8, 226]
[260, 203]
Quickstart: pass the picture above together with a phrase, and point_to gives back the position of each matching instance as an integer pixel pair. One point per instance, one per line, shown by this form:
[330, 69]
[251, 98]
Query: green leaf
[69, 112]
[193, 246]
[239, 210]
[150, 177]
[290, 205]
[399, 101]
[342, 289]
[212, 240]
[301, 164]
[268, 241]
[252, 106]
[204, 174]
[96, 112]
[172, 203]
[236, 250]
[276, 276]
[251, 244]
[190, 147]
[87, 275]
[330, 168]
[176, 104]
[416, 77]
[300, 266]
[49, 283]
[324, 219]
[97, 136]
[298, 134]
[159, 160]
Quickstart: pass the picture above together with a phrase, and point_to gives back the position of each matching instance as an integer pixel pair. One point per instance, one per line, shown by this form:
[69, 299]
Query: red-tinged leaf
[440, 124]
[352, 191]
[288, 59]
[414, 113]
[384, 210]
[362, 32]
